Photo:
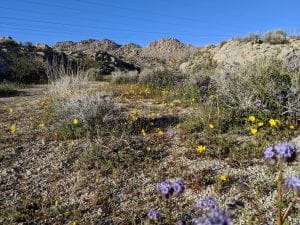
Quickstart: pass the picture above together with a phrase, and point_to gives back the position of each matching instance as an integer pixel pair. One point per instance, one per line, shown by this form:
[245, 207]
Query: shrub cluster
[271, 37]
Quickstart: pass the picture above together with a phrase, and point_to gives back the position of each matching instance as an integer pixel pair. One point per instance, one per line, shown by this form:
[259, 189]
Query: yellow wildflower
[223, 177]
[292, 127]
[75, 121]
[147, 91]
[201, 148]
[272, 122]
[71, 144]
[160, 132]
[148, 149]
[211, 126]
[260, 124]
[253, 131]
[135, 112]
[153, 115]
[10, 110]
[143, 132]
[13, 128]
[74, 223]
[41, 125]
[251, 118]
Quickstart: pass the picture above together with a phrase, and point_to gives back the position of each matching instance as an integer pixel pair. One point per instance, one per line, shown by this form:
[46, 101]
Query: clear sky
[141, 21]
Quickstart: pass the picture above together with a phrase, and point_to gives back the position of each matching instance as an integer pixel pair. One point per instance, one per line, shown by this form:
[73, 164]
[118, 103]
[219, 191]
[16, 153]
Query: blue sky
[140, 21]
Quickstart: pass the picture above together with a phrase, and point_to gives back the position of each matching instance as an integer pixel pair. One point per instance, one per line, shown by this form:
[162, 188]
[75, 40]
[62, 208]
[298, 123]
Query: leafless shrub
[65, 79]
[275, 37]
[252, 37]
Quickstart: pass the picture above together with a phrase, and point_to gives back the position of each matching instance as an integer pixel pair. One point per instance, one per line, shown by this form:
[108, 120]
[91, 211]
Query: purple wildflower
[292, 182]
[207, 203]
[258, 102]
[154, 215]
[178, 187]
[214, 217]
[164, 188]
[286, 150]
[269, 153]
[170, 133]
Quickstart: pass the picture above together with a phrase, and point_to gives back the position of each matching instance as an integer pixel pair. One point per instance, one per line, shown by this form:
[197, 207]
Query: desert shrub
[27, 68]
[119, 77]
[275, 37]
[95, 74]
[263, 87]
[252, 37]
[96, 114]
[8, 89]
[160, 77]
[66, 82]
[185, 93]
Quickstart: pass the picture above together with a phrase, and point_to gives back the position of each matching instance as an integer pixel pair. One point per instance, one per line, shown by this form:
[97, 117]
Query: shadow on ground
[148, 124]
[12, 93]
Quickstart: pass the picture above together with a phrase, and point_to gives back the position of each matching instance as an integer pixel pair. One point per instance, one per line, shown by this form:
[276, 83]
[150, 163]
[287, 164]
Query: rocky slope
[233, 53]
[157, 52]
[106, 56]
[27, 62]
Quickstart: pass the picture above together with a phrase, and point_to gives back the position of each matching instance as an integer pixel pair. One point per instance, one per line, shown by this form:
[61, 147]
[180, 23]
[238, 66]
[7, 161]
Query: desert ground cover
[77, 151]
[94, 132]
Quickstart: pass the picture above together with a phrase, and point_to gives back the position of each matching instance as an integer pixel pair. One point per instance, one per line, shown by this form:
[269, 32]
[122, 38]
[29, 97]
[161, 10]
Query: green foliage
[262, 88]
[67, 131]
[8, 89]
[27, 68]
[185, 93]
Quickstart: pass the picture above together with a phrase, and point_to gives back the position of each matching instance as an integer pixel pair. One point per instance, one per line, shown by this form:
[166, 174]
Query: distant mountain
[106, 56]
[157, 52]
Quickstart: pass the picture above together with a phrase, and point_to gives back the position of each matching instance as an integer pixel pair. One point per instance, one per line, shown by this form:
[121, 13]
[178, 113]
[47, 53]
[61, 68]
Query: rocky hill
[233, 53]
[27, 62]
[105, 56]
[157, 52]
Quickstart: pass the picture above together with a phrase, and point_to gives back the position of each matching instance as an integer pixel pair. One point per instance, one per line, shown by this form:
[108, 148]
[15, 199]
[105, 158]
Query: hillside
[234, 53]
